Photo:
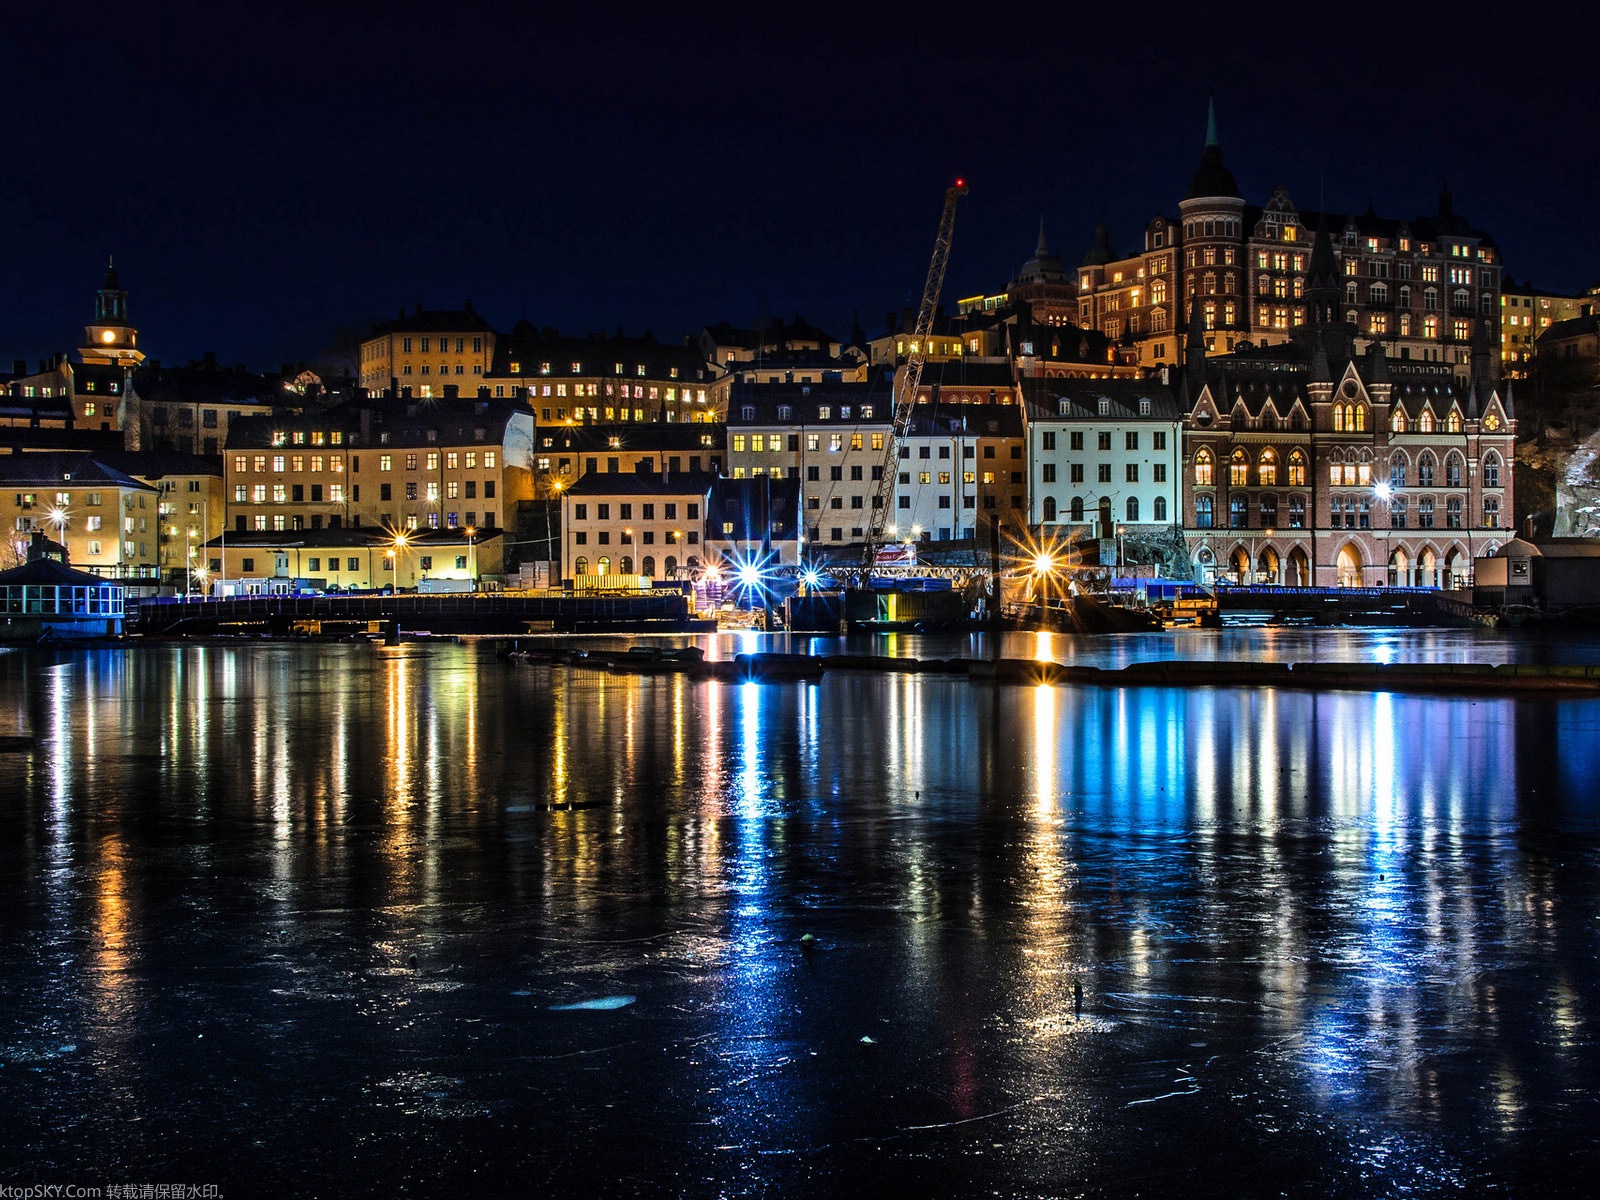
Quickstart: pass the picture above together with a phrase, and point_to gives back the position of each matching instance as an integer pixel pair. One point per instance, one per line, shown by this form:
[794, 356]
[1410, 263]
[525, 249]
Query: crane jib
[909, 378]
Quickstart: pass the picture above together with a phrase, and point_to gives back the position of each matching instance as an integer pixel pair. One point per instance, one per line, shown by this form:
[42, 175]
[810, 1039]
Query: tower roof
[1213, 178]
[1100, 253]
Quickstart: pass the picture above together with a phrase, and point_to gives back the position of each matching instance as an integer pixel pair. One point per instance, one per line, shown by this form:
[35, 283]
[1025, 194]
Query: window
[1103, 473]
[1425, 513]
[1074, 440]
[1075, 470]
[1397, 512]
[1133, 508]
[1203, 465]
[1491, 512]
[1131, 473]
[1104, 440]
[1075, 510]
[1425, 470]
[1239, 469]
[1131, 440]
[1267, 468]
[1491, 470]
[1203, 512]
[1238, 511]
[1049, 473]
[1452, 513]
[1297, 512]
[1049, 440]
[1397, 471]
[1452, 472]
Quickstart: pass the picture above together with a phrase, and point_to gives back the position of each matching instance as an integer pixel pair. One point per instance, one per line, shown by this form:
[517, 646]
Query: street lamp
[472, 558]
[1043, 567]
[400, 543]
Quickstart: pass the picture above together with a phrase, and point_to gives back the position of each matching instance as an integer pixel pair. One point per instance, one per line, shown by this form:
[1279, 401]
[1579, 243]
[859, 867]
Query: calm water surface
[1202, 942]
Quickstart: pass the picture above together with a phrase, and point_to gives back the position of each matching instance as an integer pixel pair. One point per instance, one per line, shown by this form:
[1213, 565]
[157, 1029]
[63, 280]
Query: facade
[191, 508]
[1333, 470]
[391, 463]
[639, 524]
[565, 453]
[755, 521]
[431, 353]
[348, 559]
[1103, 455]
[1424, 287]
[958, 463]
[832, 438]
[585, 380]
[191, 410]
[108, 522]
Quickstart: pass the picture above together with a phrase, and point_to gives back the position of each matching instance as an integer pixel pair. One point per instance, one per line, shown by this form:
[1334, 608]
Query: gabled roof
[51, 468]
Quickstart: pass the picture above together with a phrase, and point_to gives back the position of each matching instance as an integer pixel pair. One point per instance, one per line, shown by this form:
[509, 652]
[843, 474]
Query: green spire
[1211, 121]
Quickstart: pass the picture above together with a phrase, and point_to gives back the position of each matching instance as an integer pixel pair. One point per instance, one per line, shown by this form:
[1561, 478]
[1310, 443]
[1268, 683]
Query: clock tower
[110, 340]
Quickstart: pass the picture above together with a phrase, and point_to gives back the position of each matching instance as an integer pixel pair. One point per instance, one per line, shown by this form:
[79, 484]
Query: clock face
[108, 337]
[1491, 422]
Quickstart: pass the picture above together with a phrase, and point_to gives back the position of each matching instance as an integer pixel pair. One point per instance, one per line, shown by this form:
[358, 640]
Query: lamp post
[1043, 565]
[59, 517]
[400, 542]
[472, 558]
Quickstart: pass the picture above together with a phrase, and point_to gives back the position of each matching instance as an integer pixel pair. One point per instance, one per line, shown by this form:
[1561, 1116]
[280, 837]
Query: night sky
[269, 180]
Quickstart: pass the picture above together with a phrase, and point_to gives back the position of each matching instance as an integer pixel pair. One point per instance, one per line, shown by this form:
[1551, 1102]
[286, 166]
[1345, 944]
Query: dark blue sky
[266, 180]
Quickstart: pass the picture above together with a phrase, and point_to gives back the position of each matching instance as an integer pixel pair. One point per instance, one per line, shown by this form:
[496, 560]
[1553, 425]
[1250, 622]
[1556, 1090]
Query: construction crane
[909, 379]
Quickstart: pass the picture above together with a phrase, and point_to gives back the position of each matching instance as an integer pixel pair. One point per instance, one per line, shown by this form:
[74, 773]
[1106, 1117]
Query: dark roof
[154, 464]
[208, 385]
[965, 420]
[776, 333]
[1572, 327]
[643, 483]
[599, 355]
[435, 320]
[753, 505]
[406, 422]
[1044, 398]
[48, 572]
[54, 467]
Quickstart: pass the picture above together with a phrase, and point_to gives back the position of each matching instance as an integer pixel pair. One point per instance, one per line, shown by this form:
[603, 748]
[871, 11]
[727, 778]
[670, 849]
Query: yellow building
[108, 521]
[428, 351]
[1525, 313]
[342, 560]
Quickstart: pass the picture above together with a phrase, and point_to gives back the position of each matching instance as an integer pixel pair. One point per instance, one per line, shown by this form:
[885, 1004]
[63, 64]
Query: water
[360, 920]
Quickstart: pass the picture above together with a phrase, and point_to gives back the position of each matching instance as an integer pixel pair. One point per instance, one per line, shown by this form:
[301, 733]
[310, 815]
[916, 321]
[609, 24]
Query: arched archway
[1399, 568]
[1239, 565]
[1427, 568]
[1349, 565]
[1297, 572]
[1457, 569]
[1205, 565]
[1268, 566]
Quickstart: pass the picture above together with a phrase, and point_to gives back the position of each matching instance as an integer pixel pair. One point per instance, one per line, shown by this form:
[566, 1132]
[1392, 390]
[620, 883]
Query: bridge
[476, 612]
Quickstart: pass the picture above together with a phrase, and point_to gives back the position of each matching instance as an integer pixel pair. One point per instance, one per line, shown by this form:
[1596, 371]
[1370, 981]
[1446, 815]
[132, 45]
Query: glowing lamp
[108, 337]
[1043, 563]
[1383, 491]
[811, 578]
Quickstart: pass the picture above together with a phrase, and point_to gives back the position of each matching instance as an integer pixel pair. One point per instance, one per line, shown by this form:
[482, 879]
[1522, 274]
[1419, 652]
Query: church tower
[1213, 246]
[110, 340]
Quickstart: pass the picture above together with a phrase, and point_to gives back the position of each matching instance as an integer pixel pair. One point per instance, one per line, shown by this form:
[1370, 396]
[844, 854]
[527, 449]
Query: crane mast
[909, 379]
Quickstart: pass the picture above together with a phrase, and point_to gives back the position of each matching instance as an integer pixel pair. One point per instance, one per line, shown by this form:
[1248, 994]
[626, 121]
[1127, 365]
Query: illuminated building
[781, 352]
[110, 340]
[1309, 463]
[191, 508]
[754, 521]
[573, 380]
[958, 463]
[1423, 287]
[428, 353]
[1102, 454]
[623, 526]
[1525, 313]
[108, 521]
[387, 462]
[266, 562]
[191, 409]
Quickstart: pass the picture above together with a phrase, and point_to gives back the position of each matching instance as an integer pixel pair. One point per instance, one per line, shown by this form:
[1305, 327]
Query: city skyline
[265, 189]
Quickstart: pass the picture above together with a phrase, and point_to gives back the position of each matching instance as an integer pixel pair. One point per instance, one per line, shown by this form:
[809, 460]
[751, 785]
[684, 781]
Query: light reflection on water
[1361, 926]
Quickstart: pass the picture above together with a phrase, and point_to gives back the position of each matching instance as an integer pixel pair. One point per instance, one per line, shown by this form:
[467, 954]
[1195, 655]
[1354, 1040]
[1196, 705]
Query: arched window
[672, 567]
[1297, 512]
[1204, 513]
[1425, 470]
[1452, 471]
[1338, 417]
[648, 567]
[1203, 468]
[1267, 468]
[1049, 508]
[1075, 509]
[1452, 513]
[1269, 511]
[1297, 469]
[625, 567]
[1133, 508]
[1491, 512]
[1238, 511]
[1398, 421]
[1491, 469]
[1160, 513]
[1358, 413]
[1425, 513]
[603, 566]
[1239, 469]
[1397, 470]
[1336, 468]
[1425, 421]
[1452, 423]
[581, 567]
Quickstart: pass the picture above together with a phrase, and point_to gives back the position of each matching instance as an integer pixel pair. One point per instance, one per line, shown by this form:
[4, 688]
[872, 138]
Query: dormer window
[784, 412]
[747, 413]
[1105, 407]
[1144, 408]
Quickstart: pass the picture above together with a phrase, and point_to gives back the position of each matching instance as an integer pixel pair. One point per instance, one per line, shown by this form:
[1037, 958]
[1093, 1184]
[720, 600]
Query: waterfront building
[428, 353]
[958, 463]
[349, 558]
[584, 380]
[1426, 287]
[621, 526]
[831, 437]
[565, 453]
[390, 462]
[754, 521]
[107, 521]
[1310, 464]
[1103, 455]
[44, 598]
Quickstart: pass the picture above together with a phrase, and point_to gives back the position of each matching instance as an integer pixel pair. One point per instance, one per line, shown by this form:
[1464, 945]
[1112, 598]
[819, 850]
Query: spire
[110, 284]
[1043, 249]
[1322, 285]
[1377, 363]
[1211, 122]
[1321, 369]
[1212, 179]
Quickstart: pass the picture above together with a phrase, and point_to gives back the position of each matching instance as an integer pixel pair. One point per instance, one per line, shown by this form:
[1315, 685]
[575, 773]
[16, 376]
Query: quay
[1444, 678]
[472, 612]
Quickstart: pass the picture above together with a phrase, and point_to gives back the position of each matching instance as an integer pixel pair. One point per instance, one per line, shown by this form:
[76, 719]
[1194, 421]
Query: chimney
[19, 366]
